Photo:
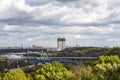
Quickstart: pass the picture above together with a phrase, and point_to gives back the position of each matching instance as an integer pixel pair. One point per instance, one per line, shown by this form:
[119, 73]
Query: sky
[41, 22]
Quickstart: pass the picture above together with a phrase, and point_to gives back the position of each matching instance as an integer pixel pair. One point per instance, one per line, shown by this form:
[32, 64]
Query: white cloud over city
[41, 22]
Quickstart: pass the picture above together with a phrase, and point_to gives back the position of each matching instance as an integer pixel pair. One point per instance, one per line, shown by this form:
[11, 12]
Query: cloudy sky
[41, 22]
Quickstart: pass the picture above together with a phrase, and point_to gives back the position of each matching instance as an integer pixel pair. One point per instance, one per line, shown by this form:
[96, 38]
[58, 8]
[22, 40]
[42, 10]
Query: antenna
[21, 45]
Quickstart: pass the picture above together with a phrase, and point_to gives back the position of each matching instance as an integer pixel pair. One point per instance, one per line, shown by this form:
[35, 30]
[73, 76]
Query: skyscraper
[61, 44]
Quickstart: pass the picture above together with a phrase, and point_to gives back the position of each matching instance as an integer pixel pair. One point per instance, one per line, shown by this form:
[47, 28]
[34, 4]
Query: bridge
[29, 58]
[42, 60]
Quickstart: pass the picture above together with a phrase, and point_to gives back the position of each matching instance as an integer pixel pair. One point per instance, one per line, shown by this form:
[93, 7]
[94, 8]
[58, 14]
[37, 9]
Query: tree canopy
[15, 75]
[54, 71]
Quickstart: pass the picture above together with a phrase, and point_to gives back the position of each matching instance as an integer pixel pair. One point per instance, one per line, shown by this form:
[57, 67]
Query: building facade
[61, 44]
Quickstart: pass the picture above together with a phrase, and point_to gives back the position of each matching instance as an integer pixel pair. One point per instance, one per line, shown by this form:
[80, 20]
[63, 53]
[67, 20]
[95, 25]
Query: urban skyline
[41, 22]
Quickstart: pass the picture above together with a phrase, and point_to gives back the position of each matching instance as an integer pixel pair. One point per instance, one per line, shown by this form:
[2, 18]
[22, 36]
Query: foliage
[109, 59]
[86, 51]
[54, 71]
[107, 68]
[107, 71]
[115, 51]
[31, 69]
[84, 73]
[0, 77]
[15, 75]
[29, 76]
[11, 64]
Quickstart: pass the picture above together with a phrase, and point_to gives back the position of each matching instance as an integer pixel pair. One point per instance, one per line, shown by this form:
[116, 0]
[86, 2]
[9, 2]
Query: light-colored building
[77, 45]
[61, 44]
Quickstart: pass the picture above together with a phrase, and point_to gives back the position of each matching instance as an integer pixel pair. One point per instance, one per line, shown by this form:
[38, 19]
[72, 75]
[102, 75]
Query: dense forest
[105, 68]
[88, 51]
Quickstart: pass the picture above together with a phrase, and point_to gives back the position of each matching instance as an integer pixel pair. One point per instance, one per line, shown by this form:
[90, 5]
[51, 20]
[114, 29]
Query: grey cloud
[24, 18]
[37, 2]
[65, 1]
[26, 22]
[113, 4]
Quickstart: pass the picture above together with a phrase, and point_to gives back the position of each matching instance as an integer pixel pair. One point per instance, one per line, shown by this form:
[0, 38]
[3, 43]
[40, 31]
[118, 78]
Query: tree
[107, 68]
[54, 71]
[107, 71]
[109, 59]
[29, 76]
[0, 77]
[15, 75]
[81, 72]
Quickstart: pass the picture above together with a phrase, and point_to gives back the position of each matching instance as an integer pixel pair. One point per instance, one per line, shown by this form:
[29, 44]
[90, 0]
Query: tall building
[61, 44]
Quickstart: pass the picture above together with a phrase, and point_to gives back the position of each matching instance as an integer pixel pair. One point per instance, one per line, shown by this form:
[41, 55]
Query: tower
[61, 44]
[21, 45]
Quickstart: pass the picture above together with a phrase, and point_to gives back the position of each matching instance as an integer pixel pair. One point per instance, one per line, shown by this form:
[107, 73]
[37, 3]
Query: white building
[61, 44]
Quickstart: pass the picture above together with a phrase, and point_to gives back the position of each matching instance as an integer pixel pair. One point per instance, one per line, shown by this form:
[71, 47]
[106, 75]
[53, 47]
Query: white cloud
[82, 36]
[29, 39]
[4, 4]
[113, 40]
[10, 28]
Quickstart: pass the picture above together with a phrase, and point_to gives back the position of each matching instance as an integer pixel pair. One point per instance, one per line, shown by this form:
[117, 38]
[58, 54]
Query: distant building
[51, 49]
[37, 47]
[61, 44]
[77, 45]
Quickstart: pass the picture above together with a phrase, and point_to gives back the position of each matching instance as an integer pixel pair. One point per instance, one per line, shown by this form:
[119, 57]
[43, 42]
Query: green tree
[107, 68]
[109, 59]
[82, 73]
[54, 71]
[107, 71]
[29, 76]
[15, 75]
[0, 77]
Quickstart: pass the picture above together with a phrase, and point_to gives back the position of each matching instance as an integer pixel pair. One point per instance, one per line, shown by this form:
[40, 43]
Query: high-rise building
[61, 44]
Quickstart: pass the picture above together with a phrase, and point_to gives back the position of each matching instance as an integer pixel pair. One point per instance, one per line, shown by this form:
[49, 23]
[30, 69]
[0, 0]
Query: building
[37, 47]
[61, 44]
[77, 45]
